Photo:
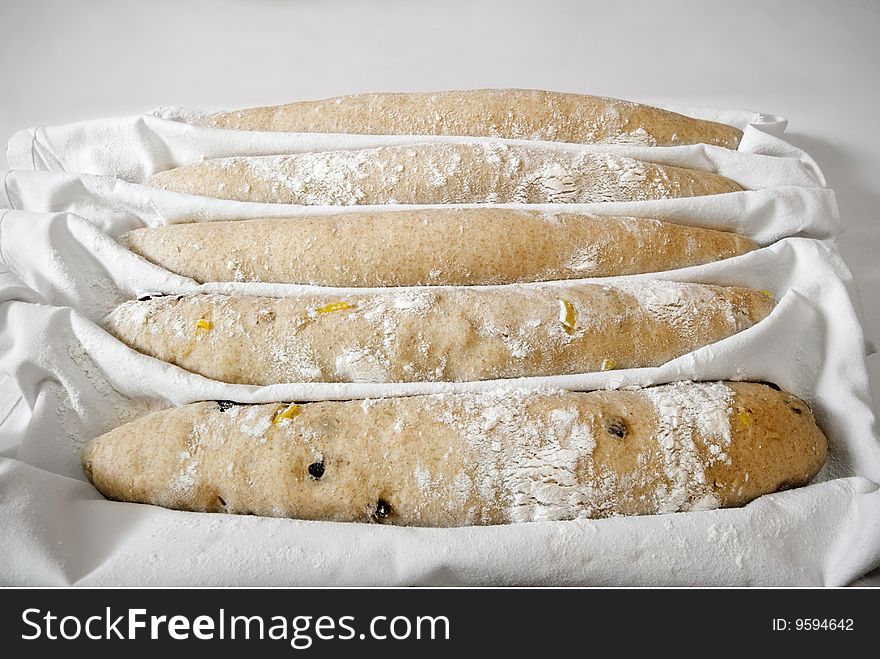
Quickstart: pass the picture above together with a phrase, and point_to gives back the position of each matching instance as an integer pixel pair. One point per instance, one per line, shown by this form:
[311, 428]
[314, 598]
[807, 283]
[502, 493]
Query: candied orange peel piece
[287, 413]
[568, 316]
[342, 305]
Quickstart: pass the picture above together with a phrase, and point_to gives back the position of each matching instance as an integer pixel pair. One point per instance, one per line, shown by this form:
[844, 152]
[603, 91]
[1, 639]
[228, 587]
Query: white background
[814, 62]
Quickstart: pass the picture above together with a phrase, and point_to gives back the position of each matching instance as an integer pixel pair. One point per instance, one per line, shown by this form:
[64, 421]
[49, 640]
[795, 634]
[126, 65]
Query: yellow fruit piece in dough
[286, 414]
[204, 325]
[334, 306]
[567, 316]
[608, 364]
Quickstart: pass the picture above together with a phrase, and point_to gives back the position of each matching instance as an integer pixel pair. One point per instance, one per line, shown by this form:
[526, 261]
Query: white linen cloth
[62, 271]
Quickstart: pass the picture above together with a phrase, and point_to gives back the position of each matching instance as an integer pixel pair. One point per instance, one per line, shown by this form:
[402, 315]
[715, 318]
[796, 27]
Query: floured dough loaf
[466, 459]
[453, 173]
[435, 334]
[452, 246]
[527, 114]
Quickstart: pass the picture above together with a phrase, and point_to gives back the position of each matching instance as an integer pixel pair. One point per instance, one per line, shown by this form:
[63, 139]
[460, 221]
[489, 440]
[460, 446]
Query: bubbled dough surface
[439, 173]
[430, 247]
[464, 459]
[504, 113]
[445, 334]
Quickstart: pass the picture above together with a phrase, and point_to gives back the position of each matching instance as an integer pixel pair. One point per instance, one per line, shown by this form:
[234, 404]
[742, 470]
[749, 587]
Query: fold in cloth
[135, 147]
[64, 532]
[115, 206]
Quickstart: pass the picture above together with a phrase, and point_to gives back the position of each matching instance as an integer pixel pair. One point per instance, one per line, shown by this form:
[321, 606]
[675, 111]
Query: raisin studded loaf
[435, 334]
[466, 459]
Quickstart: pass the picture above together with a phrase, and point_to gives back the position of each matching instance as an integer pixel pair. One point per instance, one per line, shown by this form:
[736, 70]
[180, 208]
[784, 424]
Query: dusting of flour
[438, 173]
[518, 455]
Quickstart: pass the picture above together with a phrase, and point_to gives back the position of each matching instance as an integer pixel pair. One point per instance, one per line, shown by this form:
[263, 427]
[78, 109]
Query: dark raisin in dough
[316, 469]
[383, 509]
[616, 427]
[224, 404]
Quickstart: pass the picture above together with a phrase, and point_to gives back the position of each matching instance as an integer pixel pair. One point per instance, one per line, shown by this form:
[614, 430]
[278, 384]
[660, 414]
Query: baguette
[429, 247]
[440, 334]
[526, 114]
[467, 459]
[451, 173]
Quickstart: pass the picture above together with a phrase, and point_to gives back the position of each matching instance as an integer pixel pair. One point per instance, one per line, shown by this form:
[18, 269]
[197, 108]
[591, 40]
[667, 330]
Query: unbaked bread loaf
[435, 334]
[454, 246]
[451, 173]
[527, 114]
[466, 459]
